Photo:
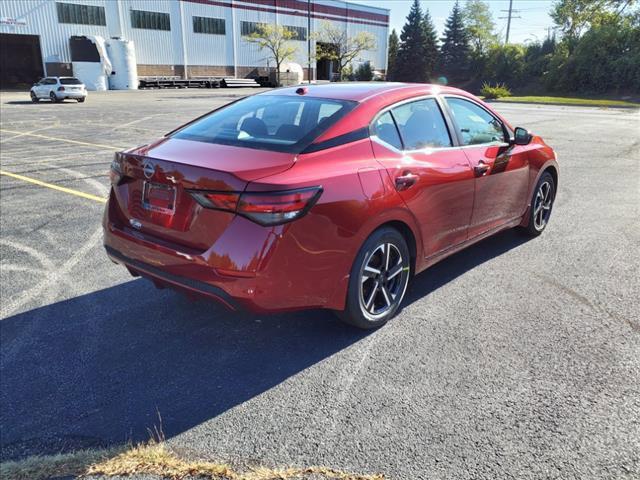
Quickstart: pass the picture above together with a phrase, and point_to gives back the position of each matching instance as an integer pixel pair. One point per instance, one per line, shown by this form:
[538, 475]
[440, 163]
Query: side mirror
[522, 136]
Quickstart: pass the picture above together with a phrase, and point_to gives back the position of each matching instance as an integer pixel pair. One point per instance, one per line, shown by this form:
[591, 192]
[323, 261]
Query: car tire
[80, 100]
[53, 97]
[378, 280]
[34, 98]
[541, 205]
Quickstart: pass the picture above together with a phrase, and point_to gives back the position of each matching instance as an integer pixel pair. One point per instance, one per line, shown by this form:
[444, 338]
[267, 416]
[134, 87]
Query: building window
[248, 28]
[300, 32]
[150, 20]
[80, 14]
[214, 26]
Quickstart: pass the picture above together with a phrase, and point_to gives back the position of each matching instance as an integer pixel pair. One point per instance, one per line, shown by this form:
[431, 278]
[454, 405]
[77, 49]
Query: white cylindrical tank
[293, 67]
[124, 74]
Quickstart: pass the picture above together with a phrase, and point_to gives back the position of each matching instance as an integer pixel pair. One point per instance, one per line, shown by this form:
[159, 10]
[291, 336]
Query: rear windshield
[270, 122]
[70, 81]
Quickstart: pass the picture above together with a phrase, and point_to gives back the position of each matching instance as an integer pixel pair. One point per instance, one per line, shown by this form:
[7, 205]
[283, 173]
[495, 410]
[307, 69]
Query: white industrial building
[185, 38]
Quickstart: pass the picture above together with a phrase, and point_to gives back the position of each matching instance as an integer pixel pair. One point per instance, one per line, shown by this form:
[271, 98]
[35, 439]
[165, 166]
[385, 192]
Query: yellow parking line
[71, 191]
[76, 142]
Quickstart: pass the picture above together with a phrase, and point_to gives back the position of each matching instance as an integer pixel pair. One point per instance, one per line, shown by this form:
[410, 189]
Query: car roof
[360, 91]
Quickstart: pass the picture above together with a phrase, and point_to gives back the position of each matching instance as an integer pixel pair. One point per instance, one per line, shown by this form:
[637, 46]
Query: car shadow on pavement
[99, 368]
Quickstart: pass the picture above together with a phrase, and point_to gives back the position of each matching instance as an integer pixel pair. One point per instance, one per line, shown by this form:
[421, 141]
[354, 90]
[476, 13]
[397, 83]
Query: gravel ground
[512, 359]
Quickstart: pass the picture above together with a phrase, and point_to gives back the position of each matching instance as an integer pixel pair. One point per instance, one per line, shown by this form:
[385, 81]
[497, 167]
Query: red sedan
[328, 196]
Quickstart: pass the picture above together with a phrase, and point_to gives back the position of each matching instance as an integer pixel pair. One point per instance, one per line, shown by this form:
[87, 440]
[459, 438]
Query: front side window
[422, 125]
[80, 14]
[475, 125]
[150, 20]
[269, 122]
[385, 129]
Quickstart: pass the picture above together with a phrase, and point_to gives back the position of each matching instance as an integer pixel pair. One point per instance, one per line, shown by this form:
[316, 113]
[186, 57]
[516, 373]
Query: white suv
[57, 89]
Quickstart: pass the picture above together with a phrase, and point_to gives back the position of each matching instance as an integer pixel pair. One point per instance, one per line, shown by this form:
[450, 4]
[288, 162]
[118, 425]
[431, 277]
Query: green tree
[455, 52]
[506, 64]
[480, 26]
[276, 39]
[345, 48]
[574, 17]
[412, 64]
[392, 59]
[364, 73]
[430, 44]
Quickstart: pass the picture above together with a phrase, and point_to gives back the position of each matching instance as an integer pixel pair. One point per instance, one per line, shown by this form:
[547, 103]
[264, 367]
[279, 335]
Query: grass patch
[154, 458]
[42, 467]
[595, 102]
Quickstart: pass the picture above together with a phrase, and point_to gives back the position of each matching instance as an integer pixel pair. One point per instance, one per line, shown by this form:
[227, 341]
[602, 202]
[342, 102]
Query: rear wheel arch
[409, 236]
[554, 173]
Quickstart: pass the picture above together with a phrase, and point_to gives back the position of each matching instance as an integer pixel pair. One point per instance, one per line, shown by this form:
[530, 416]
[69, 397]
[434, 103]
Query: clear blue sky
[534, 22]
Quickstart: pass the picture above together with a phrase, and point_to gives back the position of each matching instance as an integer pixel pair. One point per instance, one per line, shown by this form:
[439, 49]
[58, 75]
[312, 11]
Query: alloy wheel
[383, 280]
[542, 205]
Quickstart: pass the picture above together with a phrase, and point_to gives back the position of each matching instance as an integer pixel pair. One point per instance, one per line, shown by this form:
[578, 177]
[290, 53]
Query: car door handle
[481, 168]
[406, 180]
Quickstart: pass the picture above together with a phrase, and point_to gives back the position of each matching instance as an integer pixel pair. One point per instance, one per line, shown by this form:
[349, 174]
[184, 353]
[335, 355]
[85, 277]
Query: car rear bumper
[162, 278]
[247, 267]
[72, 95]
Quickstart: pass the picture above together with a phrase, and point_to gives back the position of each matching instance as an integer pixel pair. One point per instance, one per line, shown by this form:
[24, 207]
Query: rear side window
[270, 122]
[422, 125]
[385, 129]
[50, 81]
[70, 81]
[474, 123]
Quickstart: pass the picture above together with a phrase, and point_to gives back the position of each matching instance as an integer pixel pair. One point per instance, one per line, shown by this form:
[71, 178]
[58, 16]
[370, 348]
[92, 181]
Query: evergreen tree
[454, 54]
[411, 64]
[430, 44]
[392, 60]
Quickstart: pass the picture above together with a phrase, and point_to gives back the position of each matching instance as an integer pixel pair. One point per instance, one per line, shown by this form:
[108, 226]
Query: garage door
[20, 60]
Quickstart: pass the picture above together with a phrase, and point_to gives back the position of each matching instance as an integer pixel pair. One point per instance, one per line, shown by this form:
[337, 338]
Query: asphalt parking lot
[513, 359]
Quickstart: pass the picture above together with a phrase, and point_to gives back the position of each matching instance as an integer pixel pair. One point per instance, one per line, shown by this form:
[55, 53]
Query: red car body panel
[306, 262]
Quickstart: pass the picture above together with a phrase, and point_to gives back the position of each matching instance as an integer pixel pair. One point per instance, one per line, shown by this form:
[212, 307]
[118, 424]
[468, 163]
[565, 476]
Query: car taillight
[61, 89]
[265, 208]
[115, 172]
[217, 200]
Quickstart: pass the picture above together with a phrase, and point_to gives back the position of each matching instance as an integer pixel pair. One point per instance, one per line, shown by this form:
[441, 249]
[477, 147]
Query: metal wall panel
[157, 47]
[42, 19]
[208, 49]
[154, 47]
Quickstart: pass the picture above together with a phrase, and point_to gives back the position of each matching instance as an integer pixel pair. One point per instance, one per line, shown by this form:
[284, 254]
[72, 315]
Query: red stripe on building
[348, 15]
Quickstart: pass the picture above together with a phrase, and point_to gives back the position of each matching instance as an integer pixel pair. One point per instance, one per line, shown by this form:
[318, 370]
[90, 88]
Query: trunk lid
[153, 196]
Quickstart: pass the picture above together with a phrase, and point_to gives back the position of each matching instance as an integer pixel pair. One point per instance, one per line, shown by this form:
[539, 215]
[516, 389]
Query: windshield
[270, 122]
[70, 81]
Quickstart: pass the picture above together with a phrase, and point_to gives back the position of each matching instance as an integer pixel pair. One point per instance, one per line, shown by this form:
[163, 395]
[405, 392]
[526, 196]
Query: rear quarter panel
[313, 256]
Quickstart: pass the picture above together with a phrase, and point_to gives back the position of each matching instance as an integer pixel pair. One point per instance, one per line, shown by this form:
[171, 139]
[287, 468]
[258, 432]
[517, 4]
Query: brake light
[115, 172]
[265, 208]
[61, 89]
[217, 200]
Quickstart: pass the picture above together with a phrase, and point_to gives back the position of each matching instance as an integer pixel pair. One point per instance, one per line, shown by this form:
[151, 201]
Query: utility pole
[509, 17]
[309, 41]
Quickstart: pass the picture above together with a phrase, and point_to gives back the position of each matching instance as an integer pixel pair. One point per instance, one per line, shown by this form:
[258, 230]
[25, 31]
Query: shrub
[364, 72]
[505, 63]
[500, 90]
